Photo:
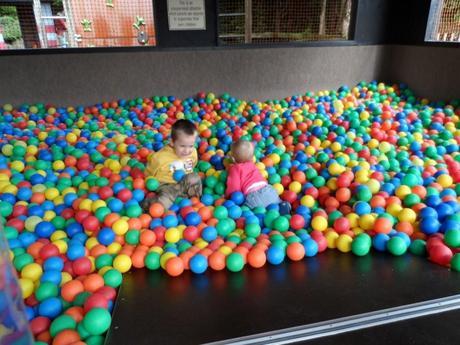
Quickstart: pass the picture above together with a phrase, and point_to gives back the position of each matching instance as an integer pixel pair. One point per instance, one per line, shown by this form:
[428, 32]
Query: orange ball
[382, 225]
[174, 266]
[343, 194]
[134, 223]
[217, 261]
[148, 238]
[405, 227]
[138, 258]
[71, 289]
[256, 257]
[295, 251]
[156, 210]
[299, 176]
[75, 313]
[93, 282]
[66, 337]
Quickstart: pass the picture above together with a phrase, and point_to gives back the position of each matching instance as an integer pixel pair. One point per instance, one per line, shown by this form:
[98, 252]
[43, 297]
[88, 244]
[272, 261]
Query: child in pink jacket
[245, 177]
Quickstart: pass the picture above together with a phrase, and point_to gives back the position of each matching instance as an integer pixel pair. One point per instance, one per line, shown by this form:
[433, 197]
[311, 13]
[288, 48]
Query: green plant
[11, 29]
[8, 11]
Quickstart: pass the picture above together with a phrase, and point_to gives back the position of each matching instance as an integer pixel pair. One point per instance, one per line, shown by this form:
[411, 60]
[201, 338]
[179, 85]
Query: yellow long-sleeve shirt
[164, 163]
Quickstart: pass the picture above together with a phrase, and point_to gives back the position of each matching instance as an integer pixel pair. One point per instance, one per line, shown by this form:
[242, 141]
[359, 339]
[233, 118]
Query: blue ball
[75, 251]
[198, 264]
[428, 212]
[234, 212]
[44, 229]
[209, 233]
[311, 247]
[207, 199]
[429, 225]
[50, 307]
[73, 228]
[53, 276]
[106, 236]
[178, 175]
[362, 208]
[53, 263]
[193, 218]
[170, 221]
[275, 255]
[379, 242]
[238, 198]
[24, 193]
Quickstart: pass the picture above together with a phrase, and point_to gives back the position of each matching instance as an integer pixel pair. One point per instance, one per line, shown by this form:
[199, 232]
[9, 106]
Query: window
[271, 21]
[443, 21]
[75, 23]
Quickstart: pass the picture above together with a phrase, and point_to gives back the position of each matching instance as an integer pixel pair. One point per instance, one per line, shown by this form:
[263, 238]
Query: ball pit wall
[88, 78]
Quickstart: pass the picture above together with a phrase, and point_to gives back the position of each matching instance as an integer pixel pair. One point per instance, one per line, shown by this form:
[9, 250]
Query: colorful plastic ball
[32, 271]
[440, 254]
[198, 264]
[209, 233]
[174, 266]
[396, 246]
[61, 323]
[452, 238]
[97, 321]
[319, 223]
[429, 225]
[252, 230]
[311, 247]
[75, 251]
[256, 258]
[44, 229]
[152, 261]
[237, 197]
[295, 251]
[113, 278]
[122, 263]
[50, 307]
[46, 290]
[275, 255]
[344, 242]
[455, 262]
[193, 218]
[106, 236]
[235, 262]
[361, 245]
[418, 247]
[178, 175]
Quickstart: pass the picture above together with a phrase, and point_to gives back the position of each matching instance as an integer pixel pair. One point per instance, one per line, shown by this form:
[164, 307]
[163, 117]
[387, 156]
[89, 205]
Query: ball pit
[367, 168]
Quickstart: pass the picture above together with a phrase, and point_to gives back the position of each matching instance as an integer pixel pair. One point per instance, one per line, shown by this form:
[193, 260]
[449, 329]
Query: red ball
[39, 324]
[191, 233]
[105, 192]
[91, 223]
[341, 225]
[289, 196]
[124, 195]
[96, 300]
[322, 243]
[440, 254]
[109, 292]
[48, 250]
[297, 222]
[81, 215]
[81, 266]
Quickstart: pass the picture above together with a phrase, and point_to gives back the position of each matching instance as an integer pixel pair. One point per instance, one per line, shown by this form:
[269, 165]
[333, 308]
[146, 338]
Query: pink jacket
[245, 178]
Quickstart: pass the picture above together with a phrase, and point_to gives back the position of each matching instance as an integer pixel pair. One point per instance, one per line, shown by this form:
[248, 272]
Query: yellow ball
[58, 165]
[407, 215]
[394, 209]
[71, 138]
[7, 150]
[122, 263]
[51, 193]
[353, 218]
[120, 227]
[113, 248]
[91, 242]
[32, 271]
[85, 204]
[225, 250]
[402, 191]
[344, 243]
[61, 245]
[307, 200]
[445, 180]
[279, 188]
[31, 222]
[156, 249]
[335, 169]
[58, 235]
[319, 223]
[373, 185]
[201, 244]
[27, 287]
[17, 165]
[165, 257]
[295, 187]
[172, 235]
[49, 215]
[65, 277]
[366, 221]
[331, 239]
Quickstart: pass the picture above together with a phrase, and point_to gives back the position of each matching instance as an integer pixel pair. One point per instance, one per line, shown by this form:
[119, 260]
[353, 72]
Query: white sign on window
[186, 15]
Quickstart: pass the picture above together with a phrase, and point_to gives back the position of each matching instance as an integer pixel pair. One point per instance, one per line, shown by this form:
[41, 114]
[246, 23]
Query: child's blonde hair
[242, 151]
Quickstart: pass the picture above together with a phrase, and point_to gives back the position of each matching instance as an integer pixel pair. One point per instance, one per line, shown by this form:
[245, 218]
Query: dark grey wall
[432, 72]
[74, 79]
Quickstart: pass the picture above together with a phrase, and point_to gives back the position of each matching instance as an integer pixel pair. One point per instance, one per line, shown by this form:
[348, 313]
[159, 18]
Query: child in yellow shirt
[179, 156]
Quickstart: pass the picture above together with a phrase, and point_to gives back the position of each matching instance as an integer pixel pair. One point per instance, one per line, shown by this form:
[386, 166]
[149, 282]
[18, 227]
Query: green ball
[455, 262]
[364, 193]
[220, 212]
[5, 209]
[396, 246]
[211, 181]
[452, 238]
[418, 247]
[46, 290]
[411, 200]
[103, 260]
[95, 340]
[97, 321]
[281, 224]
[61, 323]
[252, 230]
[152, 184]
[360, 246]
[58, 222]
[235, 262]
[225, 227]
[102, 212]
[132, 237]
[22, 260]
[270, 216]
[152, 261]
[113, 278]
[81, 298]
[133, 211]
[82, 331]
